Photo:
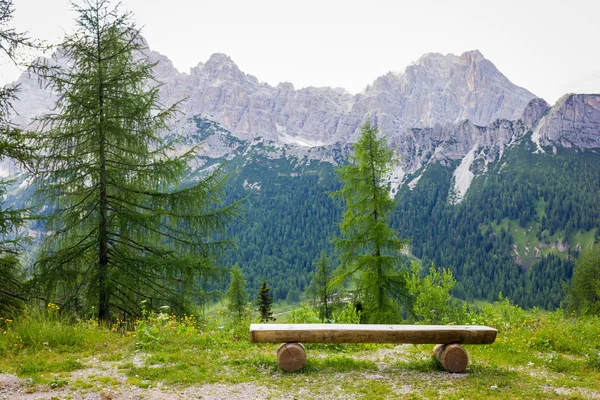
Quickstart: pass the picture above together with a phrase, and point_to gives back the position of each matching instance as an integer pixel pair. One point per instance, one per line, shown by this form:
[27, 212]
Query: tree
[583, 293]
[433, 303]
[14, 149]
[368, 246]
[264, 303]
[320, 288]
[121, 227]
[236, 293]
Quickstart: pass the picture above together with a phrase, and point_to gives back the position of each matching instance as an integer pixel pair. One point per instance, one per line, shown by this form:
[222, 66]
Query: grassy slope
[536, 356]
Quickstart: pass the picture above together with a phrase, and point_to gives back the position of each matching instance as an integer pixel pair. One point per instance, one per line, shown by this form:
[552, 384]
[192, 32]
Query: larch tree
[121, 227]
[369, 248]
[320, 288]
[582, 294]
[236, 293]
[15, 149]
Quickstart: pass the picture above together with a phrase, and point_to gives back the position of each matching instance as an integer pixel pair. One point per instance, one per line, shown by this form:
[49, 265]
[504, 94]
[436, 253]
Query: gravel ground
[12, 387]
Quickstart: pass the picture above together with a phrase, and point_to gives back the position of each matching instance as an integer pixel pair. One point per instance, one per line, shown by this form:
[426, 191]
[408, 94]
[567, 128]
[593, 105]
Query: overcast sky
[548, 46]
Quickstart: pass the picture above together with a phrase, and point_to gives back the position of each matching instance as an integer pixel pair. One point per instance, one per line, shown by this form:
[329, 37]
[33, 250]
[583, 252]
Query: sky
[547, 46]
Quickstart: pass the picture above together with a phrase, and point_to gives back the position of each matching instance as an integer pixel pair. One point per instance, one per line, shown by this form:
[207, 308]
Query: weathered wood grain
[349, 333]
[452, 357]
[291, 357]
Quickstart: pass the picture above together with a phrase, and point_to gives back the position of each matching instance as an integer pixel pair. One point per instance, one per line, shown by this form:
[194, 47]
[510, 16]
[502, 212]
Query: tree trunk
[104, 293]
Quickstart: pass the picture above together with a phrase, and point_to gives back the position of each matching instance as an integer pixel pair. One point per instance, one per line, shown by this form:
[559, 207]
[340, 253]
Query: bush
[433, 303]
[304, 315]
[347, 315]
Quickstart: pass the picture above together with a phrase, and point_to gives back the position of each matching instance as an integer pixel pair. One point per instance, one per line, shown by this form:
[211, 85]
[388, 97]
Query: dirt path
[13, 388]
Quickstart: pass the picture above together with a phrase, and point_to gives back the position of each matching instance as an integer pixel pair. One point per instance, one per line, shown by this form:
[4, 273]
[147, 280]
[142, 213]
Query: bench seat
[363, 333]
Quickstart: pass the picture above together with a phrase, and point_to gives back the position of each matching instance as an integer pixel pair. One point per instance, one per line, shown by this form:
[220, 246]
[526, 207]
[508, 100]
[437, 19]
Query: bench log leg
[291, 357]
[452, 357]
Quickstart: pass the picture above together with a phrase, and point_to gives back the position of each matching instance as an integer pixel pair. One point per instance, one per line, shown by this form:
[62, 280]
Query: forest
[525, 201]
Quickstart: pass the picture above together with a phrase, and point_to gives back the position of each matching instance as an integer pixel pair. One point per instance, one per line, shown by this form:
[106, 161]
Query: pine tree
[264, 303]
[236, 293]
[320, 288]
[121, 228]
[583, 293]
[14, 149]
[369, 248]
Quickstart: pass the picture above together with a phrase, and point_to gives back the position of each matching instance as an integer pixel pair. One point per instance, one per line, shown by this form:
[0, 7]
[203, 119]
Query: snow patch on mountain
[395, 178]
[463, 176]
[412, 184]
[286, 138]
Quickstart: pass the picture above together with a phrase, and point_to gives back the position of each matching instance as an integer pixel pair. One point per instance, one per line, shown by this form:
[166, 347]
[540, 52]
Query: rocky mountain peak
[574, 121]
[221, 67]
[472, 56]
[436, 60]
[220, 60]
[534, 111]
[437, 89]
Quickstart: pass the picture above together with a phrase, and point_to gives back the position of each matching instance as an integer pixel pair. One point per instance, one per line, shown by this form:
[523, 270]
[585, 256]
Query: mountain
[436, 89]
[491, 181]
[416, 108]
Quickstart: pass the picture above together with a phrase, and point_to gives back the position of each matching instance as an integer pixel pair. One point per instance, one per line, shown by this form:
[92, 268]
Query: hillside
[516, 231]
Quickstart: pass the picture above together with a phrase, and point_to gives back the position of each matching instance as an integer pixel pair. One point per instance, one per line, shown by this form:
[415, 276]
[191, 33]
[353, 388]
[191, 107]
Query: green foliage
[293, 296]
[433, 303]
[321, 289]
[186, 353]
[15, 147]
[122, 230]
[368, 246]
[273, 240]
[54, 333]
[236, 293]
[583, 293]
[154, 329]
[347, 315]
[264, 302]
[304, 315]
[57, 382]
[506, 234]
[477, 239]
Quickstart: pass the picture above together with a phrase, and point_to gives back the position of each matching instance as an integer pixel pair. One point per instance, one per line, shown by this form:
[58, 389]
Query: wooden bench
[448, 339]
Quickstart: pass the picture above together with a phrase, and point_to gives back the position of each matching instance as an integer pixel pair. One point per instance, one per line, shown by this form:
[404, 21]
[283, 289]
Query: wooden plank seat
[448, 339]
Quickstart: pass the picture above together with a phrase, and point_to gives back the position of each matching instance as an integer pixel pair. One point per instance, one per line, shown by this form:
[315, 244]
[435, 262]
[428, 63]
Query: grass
[528, 246]
[536, 355]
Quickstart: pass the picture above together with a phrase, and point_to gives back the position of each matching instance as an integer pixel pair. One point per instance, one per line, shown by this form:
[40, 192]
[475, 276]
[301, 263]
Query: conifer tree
[121, 229]
[264, 302]
[236, 293]
[369, 248]
[320, 288]
[583, 293]
[14, 149]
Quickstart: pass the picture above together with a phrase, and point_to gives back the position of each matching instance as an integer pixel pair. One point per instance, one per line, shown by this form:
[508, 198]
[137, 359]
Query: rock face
[458, 110]
[534, 112]
[436, 89]
[442, 89]
[574, 121]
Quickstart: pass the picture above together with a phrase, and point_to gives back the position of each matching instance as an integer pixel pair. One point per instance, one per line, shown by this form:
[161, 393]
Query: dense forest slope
[516, 231]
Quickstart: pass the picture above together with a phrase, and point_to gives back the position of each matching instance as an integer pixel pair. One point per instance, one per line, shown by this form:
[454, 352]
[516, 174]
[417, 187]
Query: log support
[291, 357]
[452, 357]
